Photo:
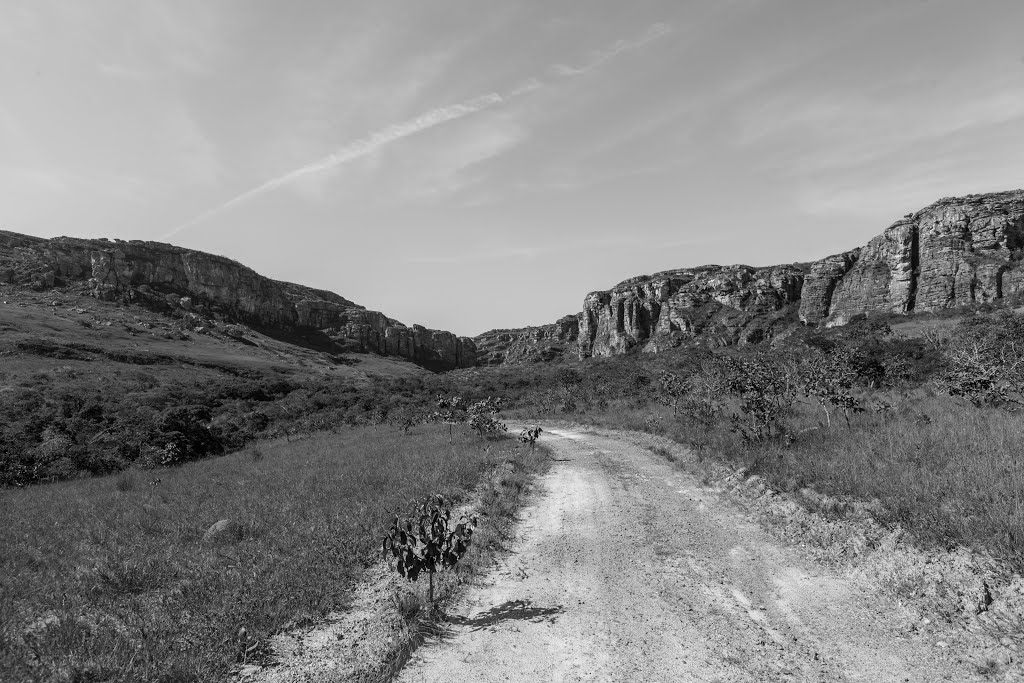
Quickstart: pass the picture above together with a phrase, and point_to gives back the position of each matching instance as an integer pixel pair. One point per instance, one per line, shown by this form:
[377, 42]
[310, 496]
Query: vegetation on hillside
[108, 572]
[61, 424]
[920, 423]
[927, 426]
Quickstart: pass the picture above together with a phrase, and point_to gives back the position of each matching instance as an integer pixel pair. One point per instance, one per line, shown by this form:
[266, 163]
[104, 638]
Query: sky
[479, 164]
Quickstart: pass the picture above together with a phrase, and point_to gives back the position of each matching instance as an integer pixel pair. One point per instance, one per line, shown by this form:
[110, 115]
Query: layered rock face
[955, 252]
[165, 275]
[724, 304]
[529, 344]
[820, 285]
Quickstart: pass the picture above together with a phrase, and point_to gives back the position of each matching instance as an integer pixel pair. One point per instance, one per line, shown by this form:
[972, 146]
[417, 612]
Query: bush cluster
[65, 423]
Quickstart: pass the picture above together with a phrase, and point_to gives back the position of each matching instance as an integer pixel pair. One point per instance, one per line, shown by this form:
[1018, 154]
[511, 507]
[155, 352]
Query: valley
[149, 392]
[457, 341]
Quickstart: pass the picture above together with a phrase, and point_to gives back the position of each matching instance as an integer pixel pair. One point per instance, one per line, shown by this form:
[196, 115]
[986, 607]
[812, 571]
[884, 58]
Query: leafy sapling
[829, 379]
[483, 417]
[426, 541]
[530, 436]
[672, 390]
[450, 411]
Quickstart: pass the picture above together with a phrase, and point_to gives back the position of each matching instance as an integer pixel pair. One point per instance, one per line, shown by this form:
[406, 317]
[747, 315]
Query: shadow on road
[519, 610]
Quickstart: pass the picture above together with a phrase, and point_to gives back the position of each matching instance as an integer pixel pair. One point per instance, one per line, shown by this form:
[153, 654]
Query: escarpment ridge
[178, 281]
[956, 252]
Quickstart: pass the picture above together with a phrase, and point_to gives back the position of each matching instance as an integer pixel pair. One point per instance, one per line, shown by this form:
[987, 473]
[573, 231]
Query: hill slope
[201, 287]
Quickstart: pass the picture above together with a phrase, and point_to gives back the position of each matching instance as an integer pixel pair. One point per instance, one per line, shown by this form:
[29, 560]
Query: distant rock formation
[726, 304]
[172, 277]
[956, 252]
[529, 344]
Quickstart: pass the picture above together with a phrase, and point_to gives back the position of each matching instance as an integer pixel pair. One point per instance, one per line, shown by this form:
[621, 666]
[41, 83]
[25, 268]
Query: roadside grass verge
[947, 472]
[110, 578]
[497, 500]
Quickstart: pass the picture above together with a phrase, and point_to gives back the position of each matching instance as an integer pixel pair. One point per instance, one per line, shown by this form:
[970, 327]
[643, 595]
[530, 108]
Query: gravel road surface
[628, 569]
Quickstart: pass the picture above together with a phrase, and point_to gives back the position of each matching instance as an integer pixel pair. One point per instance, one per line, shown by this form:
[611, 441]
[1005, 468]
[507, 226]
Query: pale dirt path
[628, 569]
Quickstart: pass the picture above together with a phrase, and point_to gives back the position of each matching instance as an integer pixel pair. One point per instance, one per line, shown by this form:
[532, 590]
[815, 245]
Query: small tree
[985, 361]
[483, 417]
[766, 388]
[571, 382]
[672, 389]
[404, 417]
[530, 436]
[706, 389]
[828, 378]
[425, 542]
[450, 411]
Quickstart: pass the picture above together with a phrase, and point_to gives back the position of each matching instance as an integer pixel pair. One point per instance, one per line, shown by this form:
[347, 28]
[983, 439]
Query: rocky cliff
[529, 344]
[720, 304]
[173, 278]
[955, 252]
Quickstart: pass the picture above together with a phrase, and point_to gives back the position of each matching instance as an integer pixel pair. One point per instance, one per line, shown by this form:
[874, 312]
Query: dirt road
[628, 569]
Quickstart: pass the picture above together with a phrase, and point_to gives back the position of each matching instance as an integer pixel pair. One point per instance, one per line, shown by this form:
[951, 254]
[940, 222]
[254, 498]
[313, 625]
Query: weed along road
[626, 568]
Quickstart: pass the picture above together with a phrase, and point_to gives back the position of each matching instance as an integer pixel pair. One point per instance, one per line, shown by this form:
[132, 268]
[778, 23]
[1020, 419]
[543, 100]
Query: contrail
[653, 32]
[357, 149]
[435, 117]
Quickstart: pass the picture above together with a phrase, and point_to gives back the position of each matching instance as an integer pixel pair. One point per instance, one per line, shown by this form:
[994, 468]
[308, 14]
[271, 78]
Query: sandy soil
[627, 568]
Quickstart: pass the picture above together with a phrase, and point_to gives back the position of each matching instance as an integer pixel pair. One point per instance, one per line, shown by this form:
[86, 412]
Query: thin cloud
[358, 149]
[653, 32]
[529, 86]
[442, 172]
[370, 144]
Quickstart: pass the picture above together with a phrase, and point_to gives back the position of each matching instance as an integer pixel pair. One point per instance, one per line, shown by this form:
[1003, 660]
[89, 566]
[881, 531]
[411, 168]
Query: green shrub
[427, 541]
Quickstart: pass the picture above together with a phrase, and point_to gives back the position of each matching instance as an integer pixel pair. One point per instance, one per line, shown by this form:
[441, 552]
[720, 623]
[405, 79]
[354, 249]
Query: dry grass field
[110, 578]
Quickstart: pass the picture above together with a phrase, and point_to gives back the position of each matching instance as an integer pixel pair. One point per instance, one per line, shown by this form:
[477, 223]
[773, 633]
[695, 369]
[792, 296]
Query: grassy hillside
[108, 573]
[91, 387]
[110, 578]
[134, 335]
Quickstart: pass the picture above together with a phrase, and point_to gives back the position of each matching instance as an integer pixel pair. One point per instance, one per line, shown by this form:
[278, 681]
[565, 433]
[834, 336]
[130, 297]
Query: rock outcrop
[170, 277]
[820, 284]
[955, 252]
[529, 344]
[722, 304]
